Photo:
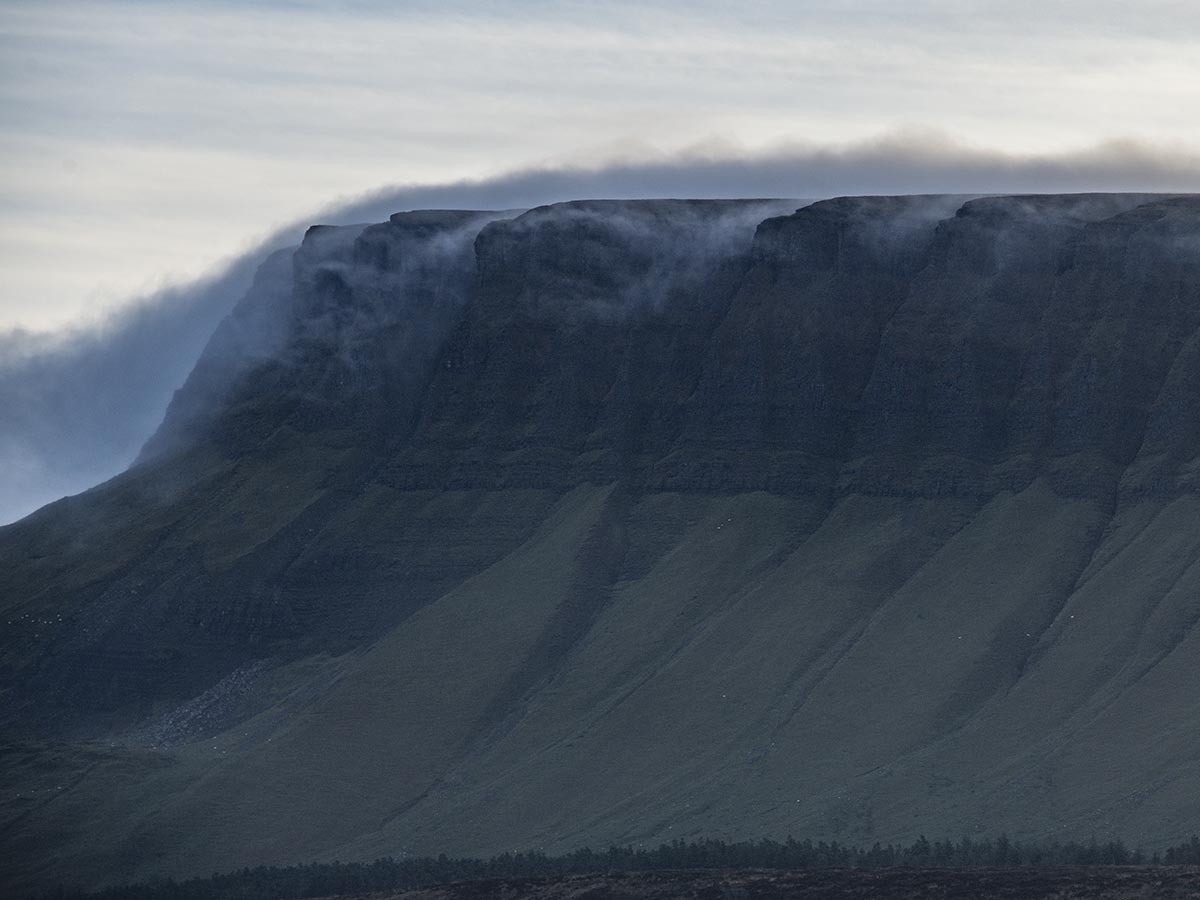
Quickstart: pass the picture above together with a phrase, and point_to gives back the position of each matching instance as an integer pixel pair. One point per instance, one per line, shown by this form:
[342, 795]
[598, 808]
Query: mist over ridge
[77, 406]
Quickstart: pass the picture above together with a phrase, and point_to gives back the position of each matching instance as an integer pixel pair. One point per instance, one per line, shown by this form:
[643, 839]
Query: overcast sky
[142, 141]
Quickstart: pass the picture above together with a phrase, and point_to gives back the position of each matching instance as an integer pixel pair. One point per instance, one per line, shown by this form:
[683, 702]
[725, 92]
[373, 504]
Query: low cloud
[904, 163]
[76, 407]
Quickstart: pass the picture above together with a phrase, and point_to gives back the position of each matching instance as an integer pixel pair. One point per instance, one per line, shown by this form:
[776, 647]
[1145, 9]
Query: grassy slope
[767, 666]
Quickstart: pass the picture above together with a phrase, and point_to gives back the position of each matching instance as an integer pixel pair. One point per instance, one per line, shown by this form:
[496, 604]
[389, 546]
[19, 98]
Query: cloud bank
[76, 407]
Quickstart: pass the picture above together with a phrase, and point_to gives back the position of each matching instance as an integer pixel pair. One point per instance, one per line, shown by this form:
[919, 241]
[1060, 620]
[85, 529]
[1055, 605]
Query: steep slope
[624, 521]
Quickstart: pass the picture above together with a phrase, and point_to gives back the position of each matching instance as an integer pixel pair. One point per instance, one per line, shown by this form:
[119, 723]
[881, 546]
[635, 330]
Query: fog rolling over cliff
[632, 520]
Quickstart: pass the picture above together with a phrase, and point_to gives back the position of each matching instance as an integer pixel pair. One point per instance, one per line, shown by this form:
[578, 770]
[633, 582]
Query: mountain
[623, 521]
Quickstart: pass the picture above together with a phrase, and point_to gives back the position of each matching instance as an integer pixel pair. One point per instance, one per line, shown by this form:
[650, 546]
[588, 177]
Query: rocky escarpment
[620, 521]
[862, 340]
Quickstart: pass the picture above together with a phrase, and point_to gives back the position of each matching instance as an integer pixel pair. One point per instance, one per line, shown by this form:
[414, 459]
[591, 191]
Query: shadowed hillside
[628, 521]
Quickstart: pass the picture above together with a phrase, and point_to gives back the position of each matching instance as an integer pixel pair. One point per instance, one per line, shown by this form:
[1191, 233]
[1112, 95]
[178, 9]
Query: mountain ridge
[627, 520]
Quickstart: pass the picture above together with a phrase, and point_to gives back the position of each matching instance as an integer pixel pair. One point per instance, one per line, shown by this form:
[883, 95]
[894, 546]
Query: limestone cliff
[624, 521]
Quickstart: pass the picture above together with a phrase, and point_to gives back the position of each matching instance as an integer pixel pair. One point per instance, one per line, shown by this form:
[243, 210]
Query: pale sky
[140, 142]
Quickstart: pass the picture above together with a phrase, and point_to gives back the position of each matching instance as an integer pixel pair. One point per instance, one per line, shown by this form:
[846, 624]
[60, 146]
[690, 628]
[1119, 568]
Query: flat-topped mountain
[621, 521]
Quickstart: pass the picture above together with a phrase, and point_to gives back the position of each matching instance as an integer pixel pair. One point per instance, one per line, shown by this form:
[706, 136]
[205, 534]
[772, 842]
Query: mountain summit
[622, 521]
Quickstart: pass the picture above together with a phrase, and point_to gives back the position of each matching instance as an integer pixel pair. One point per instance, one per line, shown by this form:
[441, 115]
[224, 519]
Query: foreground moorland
[710, 868]
[834, 884]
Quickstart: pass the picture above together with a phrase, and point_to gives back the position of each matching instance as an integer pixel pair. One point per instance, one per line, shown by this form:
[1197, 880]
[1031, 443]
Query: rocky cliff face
[621, 521]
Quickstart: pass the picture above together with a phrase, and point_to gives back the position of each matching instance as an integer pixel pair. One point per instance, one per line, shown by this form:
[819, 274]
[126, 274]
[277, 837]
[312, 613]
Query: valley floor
[1010, 883]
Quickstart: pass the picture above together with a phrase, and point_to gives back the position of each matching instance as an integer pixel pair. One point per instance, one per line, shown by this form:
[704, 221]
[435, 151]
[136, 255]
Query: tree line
[326, 879]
